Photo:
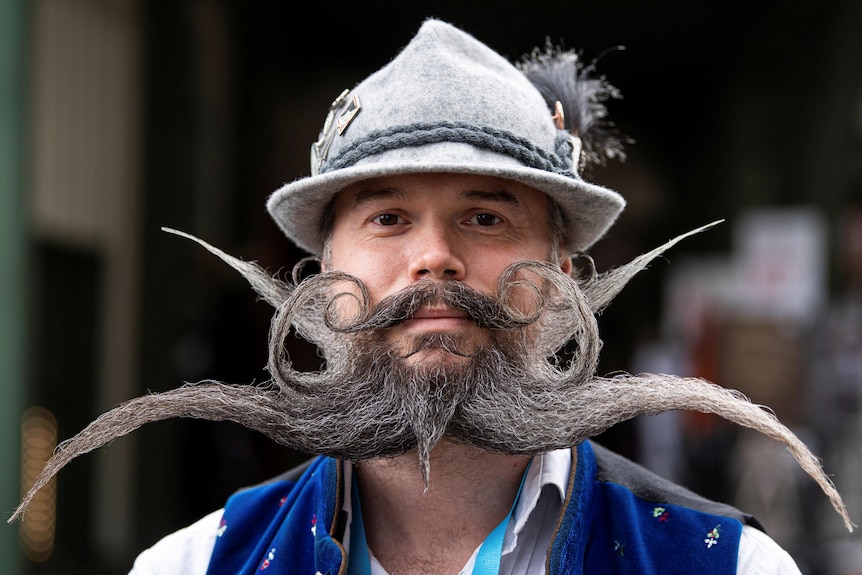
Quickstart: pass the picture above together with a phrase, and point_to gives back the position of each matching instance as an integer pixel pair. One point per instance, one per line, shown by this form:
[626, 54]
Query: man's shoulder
[291, 475]
[634, 521]
[186, 550]
[648, 486]
[317, 479]
[758, 553]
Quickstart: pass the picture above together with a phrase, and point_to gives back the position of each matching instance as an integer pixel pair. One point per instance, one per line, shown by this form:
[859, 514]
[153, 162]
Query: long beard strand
[509, 399]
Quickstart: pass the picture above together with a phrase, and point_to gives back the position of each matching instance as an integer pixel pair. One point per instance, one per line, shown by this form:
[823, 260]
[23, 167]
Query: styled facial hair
[508, 394]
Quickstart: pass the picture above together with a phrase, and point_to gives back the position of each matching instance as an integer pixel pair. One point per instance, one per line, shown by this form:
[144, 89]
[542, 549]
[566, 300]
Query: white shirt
[525, 545]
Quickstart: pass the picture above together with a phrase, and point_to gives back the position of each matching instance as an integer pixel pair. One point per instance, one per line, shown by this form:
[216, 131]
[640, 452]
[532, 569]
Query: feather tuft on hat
[567, 84]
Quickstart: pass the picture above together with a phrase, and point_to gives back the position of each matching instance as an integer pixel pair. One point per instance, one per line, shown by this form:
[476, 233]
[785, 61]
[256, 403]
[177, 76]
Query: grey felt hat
[445, 103]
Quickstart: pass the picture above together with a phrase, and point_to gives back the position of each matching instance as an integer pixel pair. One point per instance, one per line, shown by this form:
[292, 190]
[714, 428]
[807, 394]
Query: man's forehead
[455, 186]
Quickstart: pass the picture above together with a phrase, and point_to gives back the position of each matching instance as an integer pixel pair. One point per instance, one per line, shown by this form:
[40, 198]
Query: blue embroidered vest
[618, 518]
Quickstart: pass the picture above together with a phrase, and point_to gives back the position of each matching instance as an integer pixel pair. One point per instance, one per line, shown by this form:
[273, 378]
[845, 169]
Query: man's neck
[411, 530]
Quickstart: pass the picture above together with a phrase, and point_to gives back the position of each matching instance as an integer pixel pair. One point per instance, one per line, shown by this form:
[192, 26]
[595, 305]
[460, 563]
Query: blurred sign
[781, 263]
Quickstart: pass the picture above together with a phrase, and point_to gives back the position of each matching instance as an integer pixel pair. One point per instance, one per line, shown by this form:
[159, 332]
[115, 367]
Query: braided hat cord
[420, 134]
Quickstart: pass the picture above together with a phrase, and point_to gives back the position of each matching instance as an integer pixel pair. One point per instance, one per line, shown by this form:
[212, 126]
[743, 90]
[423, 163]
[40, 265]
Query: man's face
[395, 230]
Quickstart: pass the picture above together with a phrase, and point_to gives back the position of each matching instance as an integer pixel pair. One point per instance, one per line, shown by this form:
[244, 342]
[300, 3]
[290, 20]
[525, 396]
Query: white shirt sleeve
[185, 552]
[759, 554]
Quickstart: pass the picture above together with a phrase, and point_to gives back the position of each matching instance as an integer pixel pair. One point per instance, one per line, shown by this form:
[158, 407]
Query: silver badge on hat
[347, 116]
[320, 148]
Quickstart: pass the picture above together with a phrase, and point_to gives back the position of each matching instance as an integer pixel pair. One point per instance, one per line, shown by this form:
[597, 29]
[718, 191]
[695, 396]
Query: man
[444, 203]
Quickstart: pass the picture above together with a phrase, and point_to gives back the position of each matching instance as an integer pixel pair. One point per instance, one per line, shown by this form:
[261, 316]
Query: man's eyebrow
[371, 194]
[493, 196]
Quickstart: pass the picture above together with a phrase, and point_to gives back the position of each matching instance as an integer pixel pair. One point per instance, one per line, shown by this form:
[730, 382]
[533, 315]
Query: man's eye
[386, 219]
[486, 219]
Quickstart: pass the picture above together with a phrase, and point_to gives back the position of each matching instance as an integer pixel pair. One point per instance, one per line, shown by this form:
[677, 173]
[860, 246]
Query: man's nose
[436, 255]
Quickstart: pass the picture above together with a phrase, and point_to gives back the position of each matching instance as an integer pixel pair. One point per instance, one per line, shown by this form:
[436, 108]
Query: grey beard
[508, 396]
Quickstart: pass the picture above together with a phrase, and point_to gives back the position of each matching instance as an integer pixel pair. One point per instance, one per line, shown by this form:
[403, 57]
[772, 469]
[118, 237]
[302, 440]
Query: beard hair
[507, 395]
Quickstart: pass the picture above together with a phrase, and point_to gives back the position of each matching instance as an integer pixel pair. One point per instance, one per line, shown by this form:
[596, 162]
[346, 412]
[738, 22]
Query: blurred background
[118, 117]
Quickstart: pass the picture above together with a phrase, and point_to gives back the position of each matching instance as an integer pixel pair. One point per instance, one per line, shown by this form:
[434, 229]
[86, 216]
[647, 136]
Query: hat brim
[298, 207]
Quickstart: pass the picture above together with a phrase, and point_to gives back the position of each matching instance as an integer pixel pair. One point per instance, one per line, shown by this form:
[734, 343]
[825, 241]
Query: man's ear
[565, 259]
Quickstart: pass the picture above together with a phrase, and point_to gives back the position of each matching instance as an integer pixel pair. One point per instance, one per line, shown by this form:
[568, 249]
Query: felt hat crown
[446, 103]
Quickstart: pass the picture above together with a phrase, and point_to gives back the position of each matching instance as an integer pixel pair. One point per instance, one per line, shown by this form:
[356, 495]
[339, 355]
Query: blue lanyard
[358, 563]
[487, 559]
[491, 551]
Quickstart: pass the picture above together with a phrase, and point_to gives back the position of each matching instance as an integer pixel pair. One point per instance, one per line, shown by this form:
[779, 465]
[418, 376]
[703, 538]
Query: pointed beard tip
[425, 468]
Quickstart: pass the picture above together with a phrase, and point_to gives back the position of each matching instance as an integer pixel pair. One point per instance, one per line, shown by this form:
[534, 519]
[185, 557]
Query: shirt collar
[550, 468]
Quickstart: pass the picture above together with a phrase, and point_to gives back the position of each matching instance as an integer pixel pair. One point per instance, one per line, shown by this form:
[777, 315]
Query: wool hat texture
[447, 103]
